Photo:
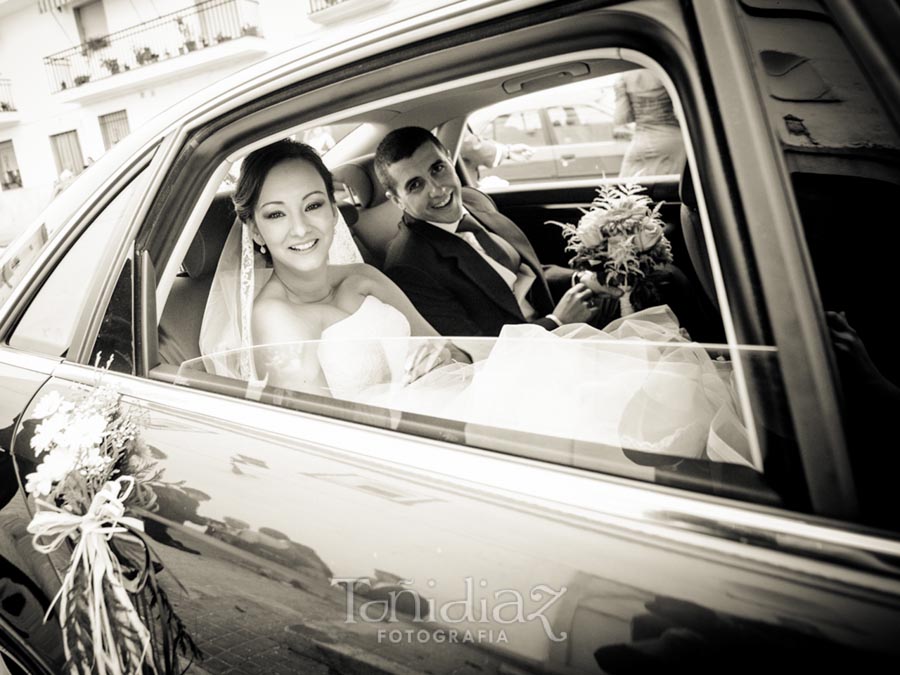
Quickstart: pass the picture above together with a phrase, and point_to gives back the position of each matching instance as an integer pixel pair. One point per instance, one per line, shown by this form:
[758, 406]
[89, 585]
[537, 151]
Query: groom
[466, 267]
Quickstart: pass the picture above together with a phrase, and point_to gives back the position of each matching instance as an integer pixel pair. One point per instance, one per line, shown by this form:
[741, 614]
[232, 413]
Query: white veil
[226, 341]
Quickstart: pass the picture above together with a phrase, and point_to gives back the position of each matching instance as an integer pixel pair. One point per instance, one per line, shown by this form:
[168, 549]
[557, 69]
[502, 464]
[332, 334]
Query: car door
[283, 552]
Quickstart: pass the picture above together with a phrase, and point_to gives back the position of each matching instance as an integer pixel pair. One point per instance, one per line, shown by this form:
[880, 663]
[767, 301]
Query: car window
[579, 124]
[640, 399]
[622, 125]
[49, 321]
[114, 346]
[843, 155]
[667, 397]
[519, 127]
[634, 404]
[324, 137]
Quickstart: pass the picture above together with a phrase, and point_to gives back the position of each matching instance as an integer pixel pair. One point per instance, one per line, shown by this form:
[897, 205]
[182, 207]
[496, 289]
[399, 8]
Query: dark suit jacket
[452, 286]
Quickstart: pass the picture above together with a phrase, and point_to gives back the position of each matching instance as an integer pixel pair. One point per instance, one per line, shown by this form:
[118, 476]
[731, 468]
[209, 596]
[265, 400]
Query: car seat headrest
[357, 182]
[203, 254]
[359, 176]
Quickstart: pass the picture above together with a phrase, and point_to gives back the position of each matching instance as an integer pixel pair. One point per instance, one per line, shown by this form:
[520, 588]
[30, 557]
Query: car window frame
[708, 165]
[760, 175]
[61, 242]
[154, 162]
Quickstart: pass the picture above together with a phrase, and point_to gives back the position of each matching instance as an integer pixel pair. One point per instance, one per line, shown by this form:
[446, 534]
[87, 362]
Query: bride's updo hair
[259, 163]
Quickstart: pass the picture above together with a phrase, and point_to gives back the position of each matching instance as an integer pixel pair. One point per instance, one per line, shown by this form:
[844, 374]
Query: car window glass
[324, 137]
[621, 125]
[114, 346]
[670, 408]
[47, 325]
[843, 155]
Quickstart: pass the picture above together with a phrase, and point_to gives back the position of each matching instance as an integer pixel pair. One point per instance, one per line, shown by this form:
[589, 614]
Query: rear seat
[179, 325]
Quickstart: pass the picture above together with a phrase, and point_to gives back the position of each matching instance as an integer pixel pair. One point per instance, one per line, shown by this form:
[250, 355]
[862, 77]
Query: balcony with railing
[210, 25]
[334, 11]
[8, 113]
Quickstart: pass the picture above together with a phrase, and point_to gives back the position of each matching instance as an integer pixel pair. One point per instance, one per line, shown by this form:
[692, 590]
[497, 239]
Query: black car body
[284, 514]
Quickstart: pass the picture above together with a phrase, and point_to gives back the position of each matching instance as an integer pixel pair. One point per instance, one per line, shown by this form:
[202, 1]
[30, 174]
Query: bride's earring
[262, 249]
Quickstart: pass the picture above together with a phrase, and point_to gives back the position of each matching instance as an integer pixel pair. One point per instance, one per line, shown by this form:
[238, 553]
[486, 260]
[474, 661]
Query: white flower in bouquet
[57, 465]
[590, 228]
[93, 463]
[648, 235]
[48, 405]
[85, 432]
[49, 432]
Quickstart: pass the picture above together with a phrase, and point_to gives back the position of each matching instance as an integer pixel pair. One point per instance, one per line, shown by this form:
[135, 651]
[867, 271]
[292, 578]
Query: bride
[279, 313]
[285, 200]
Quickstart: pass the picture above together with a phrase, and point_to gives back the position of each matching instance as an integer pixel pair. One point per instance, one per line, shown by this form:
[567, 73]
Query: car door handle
[568, 156]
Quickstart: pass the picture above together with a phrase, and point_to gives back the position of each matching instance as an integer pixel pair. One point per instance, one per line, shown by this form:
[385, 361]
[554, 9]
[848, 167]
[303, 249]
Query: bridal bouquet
[620, 238]
[94, 473]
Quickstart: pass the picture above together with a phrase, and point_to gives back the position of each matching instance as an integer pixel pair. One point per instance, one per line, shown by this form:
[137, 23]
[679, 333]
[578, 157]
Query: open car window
[617, 126]
[708, 413]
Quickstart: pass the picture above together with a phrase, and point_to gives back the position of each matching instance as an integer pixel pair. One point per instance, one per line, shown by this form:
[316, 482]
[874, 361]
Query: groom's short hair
[257, 165]
[398, 145]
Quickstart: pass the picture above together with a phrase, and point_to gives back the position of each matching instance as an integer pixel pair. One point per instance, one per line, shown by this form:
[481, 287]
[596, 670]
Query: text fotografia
[502, 607]
[440, 635]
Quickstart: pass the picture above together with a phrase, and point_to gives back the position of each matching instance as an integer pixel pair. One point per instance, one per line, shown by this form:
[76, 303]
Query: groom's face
[426, 186]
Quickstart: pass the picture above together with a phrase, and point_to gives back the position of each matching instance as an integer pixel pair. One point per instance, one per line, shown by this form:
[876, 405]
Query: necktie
[491, 247]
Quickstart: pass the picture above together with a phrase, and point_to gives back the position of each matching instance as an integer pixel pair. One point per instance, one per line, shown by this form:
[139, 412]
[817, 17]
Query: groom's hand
[576, 306]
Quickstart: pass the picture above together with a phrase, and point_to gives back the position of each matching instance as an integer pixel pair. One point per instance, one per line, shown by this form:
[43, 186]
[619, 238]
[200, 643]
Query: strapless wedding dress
[363, 358]
[364, 350]
[638, 384]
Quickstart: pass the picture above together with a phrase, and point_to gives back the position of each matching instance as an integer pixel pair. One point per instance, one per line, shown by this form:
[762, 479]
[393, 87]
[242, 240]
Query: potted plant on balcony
[247, 29]
[95, 44]
[144, 55]
[112, 65]
[6, 107]
[81, 79]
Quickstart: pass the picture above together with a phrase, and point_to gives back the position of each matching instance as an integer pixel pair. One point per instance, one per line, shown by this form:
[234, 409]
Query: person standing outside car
[466, 267]
[657, 148]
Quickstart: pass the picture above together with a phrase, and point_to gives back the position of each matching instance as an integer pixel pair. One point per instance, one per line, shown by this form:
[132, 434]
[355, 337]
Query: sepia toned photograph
[460, 337]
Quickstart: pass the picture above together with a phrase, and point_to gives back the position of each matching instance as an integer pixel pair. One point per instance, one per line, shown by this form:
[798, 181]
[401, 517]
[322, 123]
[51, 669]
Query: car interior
[374, 220]
[182, 284]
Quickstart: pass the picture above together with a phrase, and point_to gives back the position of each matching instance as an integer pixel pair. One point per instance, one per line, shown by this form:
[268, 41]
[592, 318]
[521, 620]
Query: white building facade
[77, 75]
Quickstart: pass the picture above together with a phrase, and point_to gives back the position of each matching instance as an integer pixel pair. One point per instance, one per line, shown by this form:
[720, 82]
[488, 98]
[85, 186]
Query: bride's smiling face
[293, 217]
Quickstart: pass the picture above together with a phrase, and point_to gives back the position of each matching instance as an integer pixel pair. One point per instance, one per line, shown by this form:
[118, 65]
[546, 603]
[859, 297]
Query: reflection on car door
[290, 531]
